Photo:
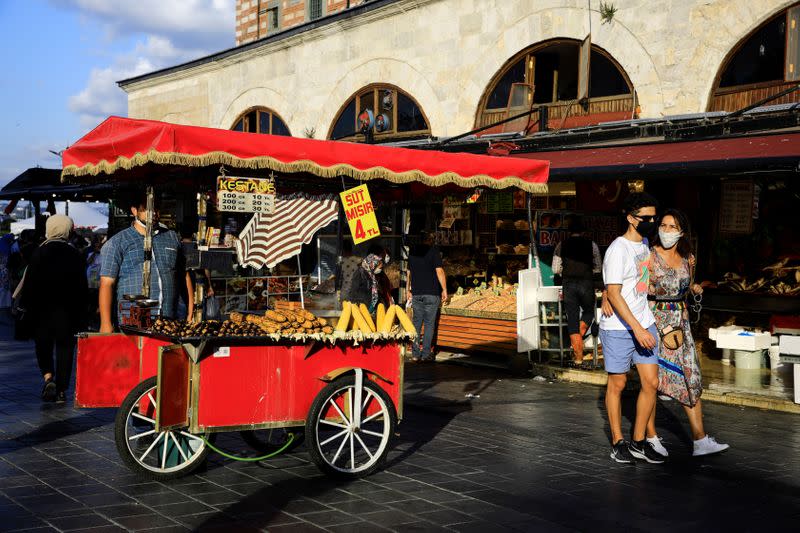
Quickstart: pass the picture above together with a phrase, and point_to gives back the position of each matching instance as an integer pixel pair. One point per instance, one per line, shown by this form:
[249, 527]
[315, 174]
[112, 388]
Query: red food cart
[344, 393]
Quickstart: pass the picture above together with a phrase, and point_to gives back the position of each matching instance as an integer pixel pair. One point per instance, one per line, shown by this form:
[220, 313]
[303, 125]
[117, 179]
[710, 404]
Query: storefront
[735, 177]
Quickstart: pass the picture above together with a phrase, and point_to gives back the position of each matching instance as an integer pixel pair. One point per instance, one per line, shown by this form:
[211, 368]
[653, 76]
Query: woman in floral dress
[678, 367]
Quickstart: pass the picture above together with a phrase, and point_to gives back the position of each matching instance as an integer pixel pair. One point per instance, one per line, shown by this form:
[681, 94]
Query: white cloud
[186, 22]
[167, 33]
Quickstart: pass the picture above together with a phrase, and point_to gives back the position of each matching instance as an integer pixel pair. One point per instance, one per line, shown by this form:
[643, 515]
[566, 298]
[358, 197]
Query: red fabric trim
[120, 137]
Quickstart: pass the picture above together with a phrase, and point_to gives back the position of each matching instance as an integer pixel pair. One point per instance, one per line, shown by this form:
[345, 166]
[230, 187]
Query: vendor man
[123, 258]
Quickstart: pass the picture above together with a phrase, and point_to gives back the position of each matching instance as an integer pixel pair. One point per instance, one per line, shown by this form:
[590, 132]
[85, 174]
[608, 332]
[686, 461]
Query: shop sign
[737, 207]
[245, 195]
[360, 214]
[553, 227]
[500, 202]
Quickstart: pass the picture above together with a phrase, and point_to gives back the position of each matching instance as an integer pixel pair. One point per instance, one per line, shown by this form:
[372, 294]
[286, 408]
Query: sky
[63, 58]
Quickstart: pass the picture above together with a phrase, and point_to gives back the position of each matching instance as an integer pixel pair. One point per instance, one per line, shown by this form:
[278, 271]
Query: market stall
[280, 368]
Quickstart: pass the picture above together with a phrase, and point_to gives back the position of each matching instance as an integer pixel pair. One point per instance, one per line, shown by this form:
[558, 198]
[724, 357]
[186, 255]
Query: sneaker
[657, 444]
[49, 391]
[620, 453]
[61, 397]
[644, 450]
[708, 445]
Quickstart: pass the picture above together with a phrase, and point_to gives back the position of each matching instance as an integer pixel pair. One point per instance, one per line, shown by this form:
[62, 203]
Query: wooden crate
[464, 333]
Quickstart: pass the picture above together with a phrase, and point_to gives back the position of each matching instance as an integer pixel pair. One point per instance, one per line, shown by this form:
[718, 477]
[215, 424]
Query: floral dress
[678, 370]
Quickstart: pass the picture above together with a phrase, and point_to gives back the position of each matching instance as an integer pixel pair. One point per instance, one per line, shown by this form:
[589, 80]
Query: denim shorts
[620, 350]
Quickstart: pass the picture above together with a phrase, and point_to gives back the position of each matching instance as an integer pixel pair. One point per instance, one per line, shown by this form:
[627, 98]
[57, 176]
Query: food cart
[176, 387]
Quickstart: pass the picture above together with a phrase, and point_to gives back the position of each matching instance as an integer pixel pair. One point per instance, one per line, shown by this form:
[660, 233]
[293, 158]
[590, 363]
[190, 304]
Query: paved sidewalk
[519, 455]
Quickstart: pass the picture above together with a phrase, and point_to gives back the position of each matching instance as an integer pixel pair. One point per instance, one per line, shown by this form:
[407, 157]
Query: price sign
[360, 214]
[245, 195]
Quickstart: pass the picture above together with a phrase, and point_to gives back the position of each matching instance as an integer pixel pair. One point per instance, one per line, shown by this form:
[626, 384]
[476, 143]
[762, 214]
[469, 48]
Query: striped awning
[268, 239]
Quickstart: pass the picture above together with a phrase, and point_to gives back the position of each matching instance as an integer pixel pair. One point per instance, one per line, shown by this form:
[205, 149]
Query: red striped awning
[268, 239]
[123, 144]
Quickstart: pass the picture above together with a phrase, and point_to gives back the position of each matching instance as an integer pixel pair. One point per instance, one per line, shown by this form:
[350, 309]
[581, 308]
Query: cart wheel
[345, 442]
[270, 440]
[161, 455]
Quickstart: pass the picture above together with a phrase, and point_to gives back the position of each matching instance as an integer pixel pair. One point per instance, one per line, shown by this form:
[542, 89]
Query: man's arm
[408, 285]
[442, 282]
[189, 298]
[619, 304]
[104, 303]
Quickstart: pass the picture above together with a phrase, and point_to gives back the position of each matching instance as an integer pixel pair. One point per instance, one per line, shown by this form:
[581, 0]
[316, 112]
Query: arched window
[762, 64]
[548, 74]
[396, 115]
[261, 120]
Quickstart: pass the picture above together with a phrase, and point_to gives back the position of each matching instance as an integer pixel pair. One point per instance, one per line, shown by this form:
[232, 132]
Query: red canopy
[122, 143]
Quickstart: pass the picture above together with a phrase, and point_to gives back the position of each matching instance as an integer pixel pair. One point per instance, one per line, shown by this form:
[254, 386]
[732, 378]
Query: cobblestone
[524, 456]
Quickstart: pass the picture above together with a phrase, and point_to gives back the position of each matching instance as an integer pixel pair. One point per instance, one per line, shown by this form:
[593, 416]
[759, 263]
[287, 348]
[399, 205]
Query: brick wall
[249, 26]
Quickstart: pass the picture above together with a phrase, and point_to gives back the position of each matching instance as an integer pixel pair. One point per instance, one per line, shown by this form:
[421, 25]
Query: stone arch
[616, 39]
[737, 33]
[252, 98]
[384, 71]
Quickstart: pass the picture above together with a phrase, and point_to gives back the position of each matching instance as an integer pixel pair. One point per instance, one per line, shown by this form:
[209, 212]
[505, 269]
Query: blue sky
[63, 57]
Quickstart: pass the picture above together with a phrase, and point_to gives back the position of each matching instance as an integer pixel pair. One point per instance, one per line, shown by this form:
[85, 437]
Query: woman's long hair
[684, 246]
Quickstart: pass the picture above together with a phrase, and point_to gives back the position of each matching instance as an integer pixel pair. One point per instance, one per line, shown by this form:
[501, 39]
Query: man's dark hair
[576, 224]
[637, 200]
[136, 198]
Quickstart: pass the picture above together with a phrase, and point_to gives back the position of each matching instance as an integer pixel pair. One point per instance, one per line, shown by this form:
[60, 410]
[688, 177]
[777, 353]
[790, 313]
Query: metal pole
[148, 244]
[300, 281]
[405, 221]
[533, 255]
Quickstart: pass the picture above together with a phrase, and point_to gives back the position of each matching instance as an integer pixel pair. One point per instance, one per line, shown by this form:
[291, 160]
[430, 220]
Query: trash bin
[746, 359]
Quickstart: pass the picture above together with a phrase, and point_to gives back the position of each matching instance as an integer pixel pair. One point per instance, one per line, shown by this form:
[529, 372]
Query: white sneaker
[655, 442]
[708, 445]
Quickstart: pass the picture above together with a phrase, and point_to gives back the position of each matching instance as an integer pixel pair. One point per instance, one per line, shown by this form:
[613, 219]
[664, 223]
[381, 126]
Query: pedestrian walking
[123, 258]
[627, 328]
[671, 281]
[578, 263]
[54, 299]
[426, 289]
[93, 264]
[6, 288]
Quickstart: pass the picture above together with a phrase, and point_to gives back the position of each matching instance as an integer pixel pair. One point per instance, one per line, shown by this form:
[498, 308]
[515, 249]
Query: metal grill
[314, 9]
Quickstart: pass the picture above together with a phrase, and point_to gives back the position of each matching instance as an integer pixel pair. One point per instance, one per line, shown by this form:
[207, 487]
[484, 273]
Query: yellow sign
[360, 214]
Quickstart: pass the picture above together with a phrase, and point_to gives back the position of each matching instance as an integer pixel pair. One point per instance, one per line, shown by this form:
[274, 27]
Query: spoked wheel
[158, 455]
[349, 427]
[271, 440]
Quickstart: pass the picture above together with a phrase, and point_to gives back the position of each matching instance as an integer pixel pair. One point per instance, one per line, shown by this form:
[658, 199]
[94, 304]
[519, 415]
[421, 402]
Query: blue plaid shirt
[122, 258]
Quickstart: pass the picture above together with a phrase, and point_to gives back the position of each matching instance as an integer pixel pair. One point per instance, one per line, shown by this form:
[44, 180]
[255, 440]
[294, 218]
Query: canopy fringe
[270, 163]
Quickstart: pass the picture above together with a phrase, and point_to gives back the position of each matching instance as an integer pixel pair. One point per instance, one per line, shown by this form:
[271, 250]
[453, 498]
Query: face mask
[668, 240]
[645, 229]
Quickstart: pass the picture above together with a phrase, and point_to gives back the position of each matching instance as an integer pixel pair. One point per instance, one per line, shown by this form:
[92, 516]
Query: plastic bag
[212, 310]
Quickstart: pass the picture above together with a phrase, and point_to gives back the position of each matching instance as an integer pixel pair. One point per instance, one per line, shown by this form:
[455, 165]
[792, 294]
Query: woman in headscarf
[54, 297]
[364, 287]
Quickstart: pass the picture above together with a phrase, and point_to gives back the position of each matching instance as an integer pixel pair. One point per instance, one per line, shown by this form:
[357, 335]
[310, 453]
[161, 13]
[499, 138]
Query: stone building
[444, 67]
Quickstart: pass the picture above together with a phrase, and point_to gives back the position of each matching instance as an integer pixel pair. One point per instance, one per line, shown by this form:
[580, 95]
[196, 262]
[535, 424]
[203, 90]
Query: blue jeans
[426, 308]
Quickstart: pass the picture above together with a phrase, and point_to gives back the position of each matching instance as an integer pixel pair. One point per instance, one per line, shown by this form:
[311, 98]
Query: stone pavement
[519, 455]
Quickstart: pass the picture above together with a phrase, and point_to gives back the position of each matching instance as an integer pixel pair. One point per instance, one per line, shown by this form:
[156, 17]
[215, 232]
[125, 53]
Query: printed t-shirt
[627, 263]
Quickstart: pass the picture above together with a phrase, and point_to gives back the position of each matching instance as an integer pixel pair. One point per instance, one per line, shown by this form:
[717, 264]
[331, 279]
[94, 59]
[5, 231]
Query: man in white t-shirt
[627, 329]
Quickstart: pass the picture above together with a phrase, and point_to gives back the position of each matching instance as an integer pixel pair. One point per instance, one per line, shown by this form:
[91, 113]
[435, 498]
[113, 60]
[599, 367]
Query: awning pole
[300, 281]
[148, 244]
[533, 256]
